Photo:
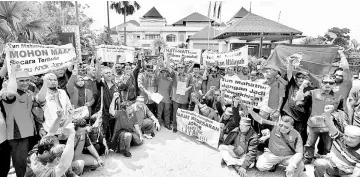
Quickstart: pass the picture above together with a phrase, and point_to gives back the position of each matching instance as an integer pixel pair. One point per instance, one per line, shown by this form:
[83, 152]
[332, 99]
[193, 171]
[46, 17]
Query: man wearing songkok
[20, 125]
[147, 85]
[242, 154]
[316, 126]
[285, 147]
[146, 119]
[126, 129]
[344, 157]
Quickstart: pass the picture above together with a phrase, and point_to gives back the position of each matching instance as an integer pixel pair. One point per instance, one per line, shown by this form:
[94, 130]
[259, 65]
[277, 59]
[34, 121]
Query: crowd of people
[60, 123]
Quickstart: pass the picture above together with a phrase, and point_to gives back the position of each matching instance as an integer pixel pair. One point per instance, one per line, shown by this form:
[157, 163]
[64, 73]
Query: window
[152, 36]
[171, 38]
[181, 37]
[138, 37]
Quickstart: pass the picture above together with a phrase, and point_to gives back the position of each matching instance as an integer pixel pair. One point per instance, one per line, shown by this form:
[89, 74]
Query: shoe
[273, 169]
[223, 163]
[147, 136]
[168, 127]
[127, 154]
[175, 130]
[152, 134]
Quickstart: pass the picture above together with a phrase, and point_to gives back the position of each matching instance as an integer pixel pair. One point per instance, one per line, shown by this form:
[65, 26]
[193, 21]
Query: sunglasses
[326, 82]
[284, 126]
[213, 71]
[180, 67]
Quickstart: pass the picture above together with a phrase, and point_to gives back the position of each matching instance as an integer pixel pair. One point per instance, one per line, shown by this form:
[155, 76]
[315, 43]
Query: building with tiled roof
[240, 14]
[254, 31]
[152, 25]
[204, 39]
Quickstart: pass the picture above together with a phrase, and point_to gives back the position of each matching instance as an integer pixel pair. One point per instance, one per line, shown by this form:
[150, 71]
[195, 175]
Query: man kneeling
[242, 154]
[126, 128]
[285, 147]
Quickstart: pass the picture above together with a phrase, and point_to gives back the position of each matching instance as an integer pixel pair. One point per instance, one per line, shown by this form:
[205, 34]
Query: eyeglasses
[326, 82]
[180, 67]
[283, 126]
[213, 71]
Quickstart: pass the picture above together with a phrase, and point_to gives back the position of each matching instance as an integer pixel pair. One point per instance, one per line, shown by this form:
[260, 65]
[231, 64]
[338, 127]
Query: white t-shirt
[51, 106]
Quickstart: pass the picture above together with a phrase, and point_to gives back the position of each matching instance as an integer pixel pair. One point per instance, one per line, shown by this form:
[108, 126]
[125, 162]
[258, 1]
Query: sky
[312, 17]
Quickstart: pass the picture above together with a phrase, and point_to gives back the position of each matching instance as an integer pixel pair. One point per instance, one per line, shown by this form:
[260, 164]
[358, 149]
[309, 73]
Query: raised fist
[116, 95]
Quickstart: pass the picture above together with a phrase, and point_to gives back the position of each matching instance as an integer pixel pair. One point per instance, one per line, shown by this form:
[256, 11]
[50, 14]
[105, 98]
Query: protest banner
[41, 59]
[115, 54]
[29, 45]
[194, 124]
[191, 55]
[231, 58]
[251, 93]
[316, 59]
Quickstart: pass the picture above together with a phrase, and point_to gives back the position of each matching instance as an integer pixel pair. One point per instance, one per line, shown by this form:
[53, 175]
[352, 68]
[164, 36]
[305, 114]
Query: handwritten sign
[232, 58]
[115, 54]
[193, 55]
[194, 124]
[251, 93]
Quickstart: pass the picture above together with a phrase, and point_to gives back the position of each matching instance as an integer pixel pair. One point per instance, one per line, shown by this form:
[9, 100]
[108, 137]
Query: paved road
[172, 155]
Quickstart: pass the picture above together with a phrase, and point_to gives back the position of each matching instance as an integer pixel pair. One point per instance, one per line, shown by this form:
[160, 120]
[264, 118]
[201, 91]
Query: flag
[316, 59]
[215, 9]
[219, 10]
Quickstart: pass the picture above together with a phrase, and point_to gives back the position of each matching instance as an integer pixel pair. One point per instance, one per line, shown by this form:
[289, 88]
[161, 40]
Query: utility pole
[77, 14]
[279, 16]
[250, 6]
[108, 31]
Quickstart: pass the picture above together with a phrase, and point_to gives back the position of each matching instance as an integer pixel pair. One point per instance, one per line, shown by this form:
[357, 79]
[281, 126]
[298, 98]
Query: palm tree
[13, 27]
[125, 8]
[355, 45]
[158, 44]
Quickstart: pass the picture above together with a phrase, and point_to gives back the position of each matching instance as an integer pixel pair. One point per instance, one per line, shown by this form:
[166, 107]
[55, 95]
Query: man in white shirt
[53, 99]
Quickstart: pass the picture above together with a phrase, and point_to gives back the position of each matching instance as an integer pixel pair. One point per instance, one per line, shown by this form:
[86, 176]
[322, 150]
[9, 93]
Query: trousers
[164, 108]
[311, 142]
[175, 108]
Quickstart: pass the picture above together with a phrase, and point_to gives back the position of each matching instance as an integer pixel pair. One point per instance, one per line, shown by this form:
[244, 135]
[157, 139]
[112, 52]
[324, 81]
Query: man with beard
[53, 99]
[317, 128]
[128, 82]
[298, 110]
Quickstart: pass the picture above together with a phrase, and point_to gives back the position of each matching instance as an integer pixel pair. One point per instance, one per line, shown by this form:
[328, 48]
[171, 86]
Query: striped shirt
[343, 157]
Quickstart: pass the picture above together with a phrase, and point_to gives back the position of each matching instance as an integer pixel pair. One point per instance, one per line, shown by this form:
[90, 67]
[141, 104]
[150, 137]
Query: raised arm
[68, 153]
[98, 69]
[4, 69]
[112, 105]
[259, 119]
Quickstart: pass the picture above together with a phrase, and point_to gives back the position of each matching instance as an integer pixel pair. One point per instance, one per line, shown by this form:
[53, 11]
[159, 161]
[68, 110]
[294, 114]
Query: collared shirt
[196, 81]
[177, 77]
[54, 102]
[147, 82]
[279, 147]
[343, 157]
[164, 87]
[213, 81]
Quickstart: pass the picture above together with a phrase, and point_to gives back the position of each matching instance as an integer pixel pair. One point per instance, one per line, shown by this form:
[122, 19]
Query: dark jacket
[250, 144]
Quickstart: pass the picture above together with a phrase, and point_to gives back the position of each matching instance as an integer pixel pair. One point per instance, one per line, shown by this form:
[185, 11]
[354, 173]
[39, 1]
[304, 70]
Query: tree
[16, 24]
[342, 36]
[158, 45]
[104, 37]
[313, 41]
[125, 8]
[355, 45]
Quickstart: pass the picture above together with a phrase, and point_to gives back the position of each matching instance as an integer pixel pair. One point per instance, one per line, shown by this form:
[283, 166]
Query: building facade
[153, 26]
